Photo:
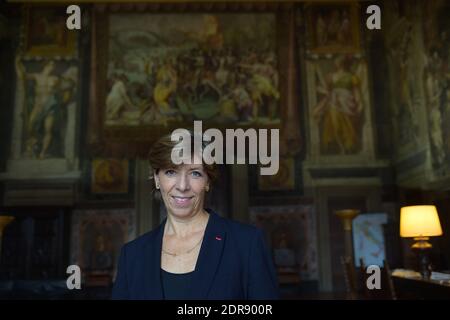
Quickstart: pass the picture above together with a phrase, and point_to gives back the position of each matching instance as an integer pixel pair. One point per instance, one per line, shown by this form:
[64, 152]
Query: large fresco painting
[47, 94]
[404, 55]
[49, 89]
[339, 109]
[333, 28]
[157, 70]
[400, 56]
[342, 97]
[339, 103]
[199, 66]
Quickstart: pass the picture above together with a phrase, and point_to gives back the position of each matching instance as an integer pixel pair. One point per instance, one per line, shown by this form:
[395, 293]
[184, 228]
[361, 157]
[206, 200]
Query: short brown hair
[160, 156]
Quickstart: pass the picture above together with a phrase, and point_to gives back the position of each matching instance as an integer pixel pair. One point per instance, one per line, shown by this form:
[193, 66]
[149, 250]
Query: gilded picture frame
[287, 182]
[109, 176]
[45, 34]
[108, 179]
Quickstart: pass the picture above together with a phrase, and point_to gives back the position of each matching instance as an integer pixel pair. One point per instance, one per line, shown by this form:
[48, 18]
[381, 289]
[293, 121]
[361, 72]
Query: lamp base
[422, 249]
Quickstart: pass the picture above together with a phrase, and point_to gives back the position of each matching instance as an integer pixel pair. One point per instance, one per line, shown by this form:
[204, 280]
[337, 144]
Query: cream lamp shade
[419, 221]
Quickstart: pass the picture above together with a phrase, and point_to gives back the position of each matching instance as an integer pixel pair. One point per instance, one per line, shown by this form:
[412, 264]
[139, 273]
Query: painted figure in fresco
[263, 86]
[334, 22]
[244, 104]
[433, 94]
[400, 55]
[117, 100]
[213, 37]
[227, 104]
[60, 99]
[222, 74]
[439, 50]
[321, 30]
[101, 258]
[209, 36]
[404, 60]
[344, 34]
[166, 84]
[333, 28]
[339, 108]
[48, 94]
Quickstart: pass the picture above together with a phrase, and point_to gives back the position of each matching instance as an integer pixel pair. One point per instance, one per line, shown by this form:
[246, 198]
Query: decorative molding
[57, 192]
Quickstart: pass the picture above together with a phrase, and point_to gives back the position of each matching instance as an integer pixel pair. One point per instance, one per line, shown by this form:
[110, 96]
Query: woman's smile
[182, 201]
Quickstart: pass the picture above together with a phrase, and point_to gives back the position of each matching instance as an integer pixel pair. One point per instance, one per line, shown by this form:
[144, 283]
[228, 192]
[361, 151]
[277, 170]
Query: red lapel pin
[218, 238]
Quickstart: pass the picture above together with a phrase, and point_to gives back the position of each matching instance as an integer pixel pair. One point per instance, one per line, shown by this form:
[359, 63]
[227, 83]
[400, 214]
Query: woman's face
[183, 189]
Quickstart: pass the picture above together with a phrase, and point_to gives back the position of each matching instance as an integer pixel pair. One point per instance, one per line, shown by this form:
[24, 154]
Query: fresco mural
[400, 55]
[49, 89]
[404, 54]
[342, 98]
[46, 77]
[333, 28]
[339, 107]
[219, 67]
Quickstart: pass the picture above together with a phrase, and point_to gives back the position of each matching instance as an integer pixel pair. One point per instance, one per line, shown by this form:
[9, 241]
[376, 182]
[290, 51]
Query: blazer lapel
[152, 266]
[209, 257]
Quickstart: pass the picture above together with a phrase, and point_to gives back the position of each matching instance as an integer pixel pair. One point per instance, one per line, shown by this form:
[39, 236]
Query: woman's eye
[196, 174]
[170, 172]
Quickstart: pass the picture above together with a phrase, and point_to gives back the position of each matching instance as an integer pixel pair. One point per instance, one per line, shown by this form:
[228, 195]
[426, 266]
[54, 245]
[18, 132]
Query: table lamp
[421, 223]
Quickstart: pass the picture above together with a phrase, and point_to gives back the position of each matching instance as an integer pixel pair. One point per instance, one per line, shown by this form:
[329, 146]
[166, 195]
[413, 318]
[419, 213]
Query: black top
[176, 285]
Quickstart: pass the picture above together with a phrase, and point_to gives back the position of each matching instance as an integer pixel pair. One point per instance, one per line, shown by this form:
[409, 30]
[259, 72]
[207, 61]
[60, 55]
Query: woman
[194, 253]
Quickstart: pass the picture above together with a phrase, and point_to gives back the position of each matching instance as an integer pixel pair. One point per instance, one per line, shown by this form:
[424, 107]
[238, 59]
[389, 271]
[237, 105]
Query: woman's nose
[182, 183]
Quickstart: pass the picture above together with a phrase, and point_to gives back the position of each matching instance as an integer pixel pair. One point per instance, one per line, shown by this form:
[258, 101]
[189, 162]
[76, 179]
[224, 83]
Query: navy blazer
[233, 263]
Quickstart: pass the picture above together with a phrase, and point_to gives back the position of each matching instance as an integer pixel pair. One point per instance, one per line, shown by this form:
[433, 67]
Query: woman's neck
[182, 227]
